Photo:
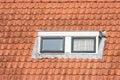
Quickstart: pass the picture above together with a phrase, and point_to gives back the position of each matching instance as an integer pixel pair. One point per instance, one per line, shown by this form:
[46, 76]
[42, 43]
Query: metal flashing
[102, 44]
[36, 51]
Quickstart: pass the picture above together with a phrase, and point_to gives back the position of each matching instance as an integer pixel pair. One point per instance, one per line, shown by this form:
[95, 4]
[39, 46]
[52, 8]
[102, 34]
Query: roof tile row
[59, 22]
[59, 5]
[61, 16]
[16, 46]
[57, 77]
[26, 40]
[15, 52]
[18, 29]
[36, 71]
[15, 34]
[43, 65]
[28, 1]
[61, 11]
[23, 29]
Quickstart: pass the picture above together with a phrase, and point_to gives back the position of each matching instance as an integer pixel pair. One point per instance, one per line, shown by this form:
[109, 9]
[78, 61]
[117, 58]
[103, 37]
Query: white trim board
[68, 33]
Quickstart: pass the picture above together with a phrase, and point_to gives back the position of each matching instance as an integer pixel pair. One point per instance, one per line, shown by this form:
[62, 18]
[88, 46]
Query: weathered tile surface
[21, 19]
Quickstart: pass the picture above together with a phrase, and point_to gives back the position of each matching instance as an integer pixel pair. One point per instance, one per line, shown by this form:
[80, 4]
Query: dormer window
[67, 44]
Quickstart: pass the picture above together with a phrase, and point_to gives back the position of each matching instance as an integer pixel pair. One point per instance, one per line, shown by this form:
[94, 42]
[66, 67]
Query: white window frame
[68, 37]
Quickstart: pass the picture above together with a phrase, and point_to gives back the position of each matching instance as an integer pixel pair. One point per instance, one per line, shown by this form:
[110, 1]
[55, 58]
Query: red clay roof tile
[20, 64]
[28, 65]
[69, 71]
[20, 21]
[57, 71]
[39, 71]
[75, 71]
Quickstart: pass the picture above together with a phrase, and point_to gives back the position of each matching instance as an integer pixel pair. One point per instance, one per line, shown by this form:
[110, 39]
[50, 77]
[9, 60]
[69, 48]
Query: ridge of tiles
[20, 20]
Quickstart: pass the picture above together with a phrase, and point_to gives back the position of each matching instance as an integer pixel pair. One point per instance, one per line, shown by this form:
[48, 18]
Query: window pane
[52, 44]
[83, 45]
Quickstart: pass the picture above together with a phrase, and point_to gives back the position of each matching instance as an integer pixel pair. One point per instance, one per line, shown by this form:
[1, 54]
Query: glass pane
[83, 45]
[52, 44]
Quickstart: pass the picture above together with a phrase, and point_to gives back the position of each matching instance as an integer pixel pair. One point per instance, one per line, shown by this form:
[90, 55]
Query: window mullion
[68, 44]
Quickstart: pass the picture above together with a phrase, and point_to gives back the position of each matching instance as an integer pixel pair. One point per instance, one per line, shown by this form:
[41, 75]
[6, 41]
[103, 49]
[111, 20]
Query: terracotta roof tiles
[21, 19]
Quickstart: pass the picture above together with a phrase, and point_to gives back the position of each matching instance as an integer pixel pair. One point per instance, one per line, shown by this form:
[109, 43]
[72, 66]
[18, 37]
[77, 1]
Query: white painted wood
[68, 33]
[97, 44]
[67, 44]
